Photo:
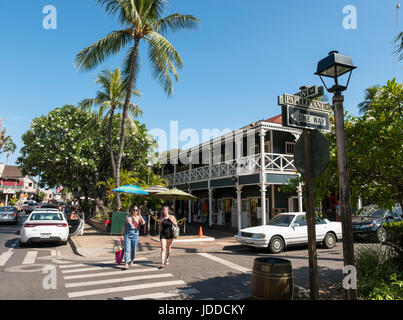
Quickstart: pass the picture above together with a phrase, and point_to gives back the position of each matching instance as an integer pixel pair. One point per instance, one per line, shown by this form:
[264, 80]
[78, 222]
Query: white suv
[45, 226]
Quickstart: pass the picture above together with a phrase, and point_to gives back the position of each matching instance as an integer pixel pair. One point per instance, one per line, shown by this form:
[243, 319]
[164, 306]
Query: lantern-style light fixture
[334, 66]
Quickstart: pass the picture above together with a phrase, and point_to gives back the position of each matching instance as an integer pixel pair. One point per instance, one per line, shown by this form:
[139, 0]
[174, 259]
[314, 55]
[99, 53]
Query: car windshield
[7, 209]
[282, 220]
[41, 216]
[376, 214]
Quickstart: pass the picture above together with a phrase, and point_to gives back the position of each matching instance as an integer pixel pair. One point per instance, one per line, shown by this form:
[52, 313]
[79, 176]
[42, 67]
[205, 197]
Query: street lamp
[334, 66]
[149, 167]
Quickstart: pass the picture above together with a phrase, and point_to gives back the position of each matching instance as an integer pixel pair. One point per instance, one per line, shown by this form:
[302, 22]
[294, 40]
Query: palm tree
[142, 21]
[370, 94]
[6, 144]
[110, 100]
[399, 45]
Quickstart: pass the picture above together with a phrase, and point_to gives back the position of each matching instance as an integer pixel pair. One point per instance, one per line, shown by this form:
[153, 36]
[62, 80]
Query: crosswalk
[26, 258]
[105, 280]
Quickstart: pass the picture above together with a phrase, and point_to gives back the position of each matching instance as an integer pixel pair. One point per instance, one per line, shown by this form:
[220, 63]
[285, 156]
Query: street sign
[311, 92]
[289, 99]
[307, 119]
[319, 153]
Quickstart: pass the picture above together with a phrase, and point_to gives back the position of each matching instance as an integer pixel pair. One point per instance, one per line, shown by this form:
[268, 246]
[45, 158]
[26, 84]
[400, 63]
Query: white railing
[273, 162]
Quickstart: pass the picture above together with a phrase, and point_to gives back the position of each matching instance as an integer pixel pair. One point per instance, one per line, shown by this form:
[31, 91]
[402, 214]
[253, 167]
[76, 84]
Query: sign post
[300, 111]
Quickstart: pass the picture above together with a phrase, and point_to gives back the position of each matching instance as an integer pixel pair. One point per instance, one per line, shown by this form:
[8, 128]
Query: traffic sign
[319, 153]
[307, 119]
[311, 92]
[289, 99]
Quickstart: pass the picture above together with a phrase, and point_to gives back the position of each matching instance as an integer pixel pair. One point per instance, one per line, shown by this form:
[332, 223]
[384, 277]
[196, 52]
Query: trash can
[272, 279]
[118, 220]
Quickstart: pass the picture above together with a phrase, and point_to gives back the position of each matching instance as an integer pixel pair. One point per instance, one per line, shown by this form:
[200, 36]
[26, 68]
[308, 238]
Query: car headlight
[259, 236]
[370, 225]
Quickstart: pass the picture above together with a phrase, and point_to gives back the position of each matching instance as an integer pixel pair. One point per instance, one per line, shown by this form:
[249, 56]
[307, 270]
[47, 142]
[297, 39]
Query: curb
[74, 247]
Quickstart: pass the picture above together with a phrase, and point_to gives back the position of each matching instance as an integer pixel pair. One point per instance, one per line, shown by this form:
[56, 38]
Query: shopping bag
[119, 252]
[175, 231]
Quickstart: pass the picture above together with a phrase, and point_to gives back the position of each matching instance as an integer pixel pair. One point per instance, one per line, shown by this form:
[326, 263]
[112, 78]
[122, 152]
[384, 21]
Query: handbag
[119, 252]
[175, 231]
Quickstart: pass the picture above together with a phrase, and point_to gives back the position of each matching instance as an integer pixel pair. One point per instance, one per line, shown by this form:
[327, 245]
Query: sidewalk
[97, 243]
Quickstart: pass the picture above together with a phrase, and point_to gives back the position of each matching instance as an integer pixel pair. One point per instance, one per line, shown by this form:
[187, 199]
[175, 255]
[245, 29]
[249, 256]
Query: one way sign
[303, 118]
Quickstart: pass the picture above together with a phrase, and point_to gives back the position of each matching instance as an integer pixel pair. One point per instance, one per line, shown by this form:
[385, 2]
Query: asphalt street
[54, 272]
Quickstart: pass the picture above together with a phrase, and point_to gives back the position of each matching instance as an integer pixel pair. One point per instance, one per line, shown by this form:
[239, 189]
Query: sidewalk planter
[118, 220]
[272, 279]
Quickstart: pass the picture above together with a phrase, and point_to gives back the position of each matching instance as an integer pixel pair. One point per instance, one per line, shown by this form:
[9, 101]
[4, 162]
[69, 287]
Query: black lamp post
[334, 66]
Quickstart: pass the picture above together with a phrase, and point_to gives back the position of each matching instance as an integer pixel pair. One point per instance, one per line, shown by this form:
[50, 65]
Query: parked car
[368, 225]
[29, 206]
[44, 226]
[288, 229]
[9, 214]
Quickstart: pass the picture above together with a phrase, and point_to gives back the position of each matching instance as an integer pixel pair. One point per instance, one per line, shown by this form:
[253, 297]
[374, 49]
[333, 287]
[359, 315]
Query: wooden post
[310, 219]
[344, 192]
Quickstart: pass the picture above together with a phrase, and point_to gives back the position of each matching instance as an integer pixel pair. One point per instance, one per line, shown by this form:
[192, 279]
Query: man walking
[145, 213]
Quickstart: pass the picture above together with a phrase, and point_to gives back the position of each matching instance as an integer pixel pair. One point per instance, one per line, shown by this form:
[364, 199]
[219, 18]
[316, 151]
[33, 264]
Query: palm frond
[96, 53]
[164, 57]
[86, 104]
[174, 23]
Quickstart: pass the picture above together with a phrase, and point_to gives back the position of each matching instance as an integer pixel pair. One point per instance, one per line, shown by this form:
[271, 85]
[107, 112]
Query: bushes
[395, 241]
[379, 277]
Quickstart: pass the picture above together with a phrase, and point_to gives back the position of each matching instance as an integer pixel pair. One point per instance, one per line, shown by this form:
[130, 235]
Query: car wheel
[381, 234]
[64, 243]
[330, 240]
[276, 245]
[22, 244]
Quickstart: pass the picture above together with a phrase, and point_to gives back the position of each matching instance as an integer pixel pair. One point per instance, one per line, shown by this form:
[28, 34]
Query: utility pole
[344, 192]
[310, 218]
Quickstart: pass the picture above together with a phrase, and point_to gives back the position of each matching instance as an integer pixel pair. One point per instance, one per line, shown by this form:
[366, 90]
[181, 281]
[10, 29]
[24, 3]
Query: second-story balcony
[273, 163]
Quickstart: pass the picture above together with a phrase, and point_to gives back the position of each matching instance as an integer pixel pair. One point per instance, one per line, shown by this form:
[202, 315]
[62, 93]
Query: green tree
[57, 149]
[374, 151]
[108, 101]
[142, 22]
[6, 143]
[370, 94]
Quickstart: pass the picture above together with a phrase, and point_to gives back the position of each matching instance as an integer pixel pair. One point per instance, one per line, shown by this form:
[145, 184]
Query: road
[53, 272]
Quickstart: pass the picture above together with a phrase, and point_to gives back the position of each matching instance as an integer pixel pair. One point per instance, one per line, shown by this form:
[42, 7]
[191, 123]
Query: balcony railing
[273, 163]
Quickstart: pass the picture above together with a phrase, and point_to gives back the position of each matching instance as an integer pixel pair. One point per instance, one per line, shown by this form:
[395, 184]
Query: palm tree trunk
[110, 141]
[133, 68]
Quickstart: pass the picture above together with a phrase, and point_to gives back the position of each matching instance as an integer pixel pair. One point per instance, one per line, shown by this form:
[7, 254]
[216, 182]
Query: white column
[262, 134]
[300, 198]
[210, 192]
[359, 206]
[210, 207]
[239, 205]
[190, 201]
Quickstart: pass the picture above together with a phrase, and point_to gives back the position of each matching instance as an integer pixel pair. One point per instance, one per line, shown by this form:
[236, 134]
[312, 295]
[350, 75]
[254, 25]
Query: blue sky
[241, 57]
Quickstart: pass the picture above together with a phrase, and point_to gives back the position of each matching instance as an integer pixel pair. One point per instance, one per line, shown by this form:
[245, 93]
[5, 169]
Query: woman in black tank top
[166, 236]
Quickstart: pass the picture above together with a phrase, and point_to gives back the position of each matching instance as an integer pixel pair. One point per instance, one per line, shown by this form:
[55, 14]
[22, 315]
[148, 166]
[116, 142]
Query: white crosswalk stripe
[5, 256]
[30, 257]
[163, 295]
[108, 274]
[126, 288]
[137, 282]
[119, 280]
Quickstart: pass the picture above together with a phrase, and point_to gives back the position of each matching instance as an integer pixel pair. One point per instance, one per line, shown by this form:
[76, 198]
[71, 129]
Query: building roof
[276, 119]
[12, 172]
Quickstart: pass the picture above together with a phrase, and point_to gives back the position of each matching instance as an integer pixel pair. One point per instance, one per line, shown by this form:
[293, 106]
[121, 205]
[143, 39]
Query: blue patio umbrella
[130, 188]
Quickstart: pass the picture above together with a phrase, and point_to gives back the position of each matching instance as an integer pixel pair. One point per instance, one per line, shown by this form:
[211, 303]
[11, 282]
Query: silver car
[9, 214]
